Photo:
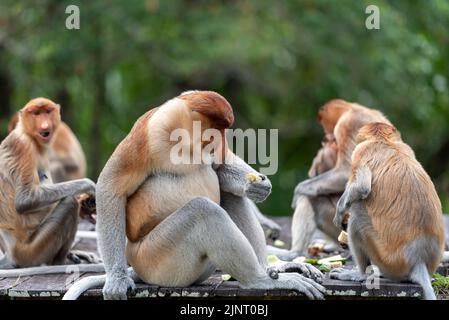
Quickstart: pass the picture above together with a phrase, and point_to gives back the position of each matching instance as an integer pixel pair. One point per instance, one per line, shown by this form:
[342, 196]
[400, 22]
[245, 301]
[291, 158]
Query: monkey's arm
[30, 199]
[237, 177]
[122, 175]
[357, 189]
[330, 182]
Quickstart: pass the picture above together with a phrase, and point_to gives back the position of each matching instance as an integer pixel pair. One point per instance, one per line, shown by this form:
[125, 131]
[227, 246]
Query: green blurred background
[277, 62]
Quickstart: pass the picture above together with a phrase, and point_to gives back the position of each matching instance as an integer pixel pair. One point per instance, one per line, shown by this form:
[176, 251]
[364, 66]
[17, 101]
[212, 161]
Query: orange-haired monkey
[396, 221]
[179, 222]
[66, 156]
[314, 199]
[38, 219]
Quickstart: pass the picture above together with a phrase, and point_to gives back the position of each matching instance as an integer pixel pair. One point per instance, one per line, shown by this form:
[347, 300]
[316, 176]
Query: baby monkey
[396, 218]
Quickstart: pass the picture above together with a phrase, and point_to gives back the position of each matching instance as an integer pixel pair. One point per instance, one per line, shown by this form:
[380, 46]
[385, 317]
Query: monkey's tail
[79, 287]
[420, 275]
[68, 268]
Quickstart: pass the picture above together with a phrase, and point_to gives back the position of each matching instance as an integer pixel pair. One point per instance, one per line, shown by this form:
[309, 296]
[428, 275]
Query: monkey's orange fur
[344, 119]
[326, 157]
[403, 204]
[136, 176]
[64, 149]
[22, 152]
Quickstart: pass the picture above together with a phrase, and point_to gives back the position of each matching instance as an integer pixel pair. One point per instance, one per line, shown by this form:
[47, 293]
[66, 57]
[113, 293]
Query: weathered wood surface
[54, 286]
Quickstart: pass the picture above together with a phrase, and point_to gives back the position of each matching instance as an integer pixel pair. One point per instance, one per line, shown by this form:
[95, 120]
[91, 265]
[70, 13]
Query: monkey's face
[213, 112]
[40, 120]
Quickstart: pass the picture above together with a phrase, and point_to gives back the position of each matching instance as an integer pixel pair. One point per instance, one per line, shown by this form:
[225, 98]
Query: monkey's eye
[36, 113]
[48, 111]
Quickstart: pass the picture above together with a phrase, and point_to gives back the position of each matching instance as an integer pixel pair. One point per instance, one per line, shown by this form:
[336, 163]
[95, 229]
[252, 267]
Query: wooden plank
[7, 283]
[44, 286]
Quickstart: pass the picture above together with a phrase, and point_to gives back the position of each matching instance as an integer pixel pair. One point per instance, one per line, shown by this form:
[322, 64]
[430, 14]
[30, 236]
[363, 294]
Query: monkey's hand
[86, 186]
[117, 287]
[257, 187]
[238, 178]
[306, 269]
[343, 206]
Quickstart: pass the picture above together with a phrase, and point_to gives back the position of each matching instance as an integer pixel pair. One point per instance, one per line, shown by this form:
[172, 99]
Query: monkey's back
[403, 205]
[348, 126]
[67, 149]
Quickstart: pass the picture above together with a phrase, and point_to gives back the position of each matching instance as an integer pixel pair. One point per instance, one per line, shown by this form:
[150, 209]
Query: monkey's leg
[178, 251]
[239, 209]
[241, 212]
[51, 242]
[359, 240]
[272, 229]
[303, 225]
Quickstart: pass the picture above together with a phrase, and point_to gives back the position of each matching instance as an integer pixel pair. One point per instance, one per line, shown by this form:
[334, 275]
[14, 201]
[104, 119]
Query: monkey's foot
[294, 281]
[117, 287]
[305, 269]
[76, 256]
[347, 275]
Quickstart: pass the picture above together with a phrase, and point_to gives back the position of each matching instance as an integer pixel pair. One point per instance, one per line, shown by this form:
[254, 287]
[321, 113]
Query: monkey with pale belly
[175, 223]
[38, 218]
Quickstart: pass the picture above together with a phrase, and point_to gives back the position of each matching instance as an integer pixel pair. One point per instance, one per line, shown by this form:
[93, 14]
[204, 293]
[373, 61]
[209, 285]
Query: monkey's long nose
[45, 125]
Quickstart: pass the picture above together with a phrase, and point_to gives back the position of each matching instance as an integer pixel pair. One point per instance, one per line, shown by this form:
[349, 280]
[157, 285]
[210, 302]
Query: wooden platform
[54, 286]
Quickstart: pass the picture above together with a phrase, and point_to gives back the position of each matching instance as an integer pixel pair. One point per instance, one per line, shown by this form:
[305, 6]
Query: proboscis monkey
[314, 199]
[396, 220]
[343, 120]
[67, 162]
[179, 222]
[66, 156]
[38, 219]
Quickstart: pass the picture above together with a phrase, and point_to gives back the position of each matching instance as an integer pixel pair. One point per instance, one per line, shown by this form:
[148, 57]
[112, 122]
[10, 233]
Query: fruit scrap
[279, 243]
[343, 237]
[251, 177]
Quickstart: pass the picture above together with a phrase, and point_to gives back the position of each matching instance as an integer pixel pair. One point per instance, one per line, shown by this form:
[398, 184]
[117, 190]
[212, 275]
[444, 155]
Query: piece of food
[324, 268]
[272, 260]
[226, 277]
[311, 261]
[251, 177]
[329, 260]
[343, 237]
[279, 243]
[316, 249]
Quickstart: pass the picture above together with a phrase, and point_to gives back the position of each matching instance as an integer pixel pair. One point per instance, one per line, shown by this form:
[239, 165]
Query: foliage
[277, 62]
[440, 284]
